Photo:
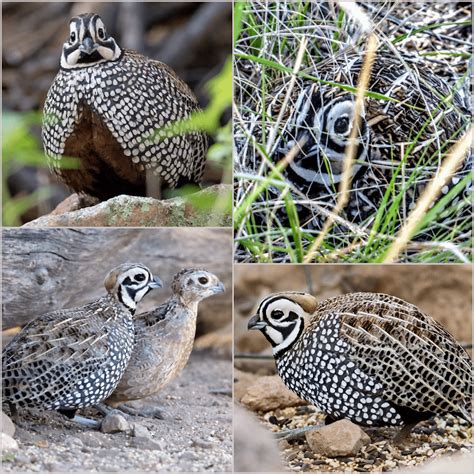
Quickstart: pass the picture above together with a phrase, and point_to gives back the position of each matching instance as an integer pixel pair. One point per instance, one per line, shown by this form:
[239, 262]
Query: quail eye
[277, 314]
[203, 280]
[341, 125]
[101, 33]
[140, 277]
[72, 38]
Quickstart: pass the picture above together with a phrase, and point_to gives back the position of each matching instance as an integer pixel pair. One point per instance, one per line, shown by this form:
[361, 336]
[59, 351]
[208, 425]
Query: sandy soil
[196, 434]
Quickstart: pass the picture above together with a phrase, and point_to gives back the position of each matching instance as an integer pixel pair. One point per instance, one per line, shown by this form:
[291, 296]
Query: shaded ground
[195, 436]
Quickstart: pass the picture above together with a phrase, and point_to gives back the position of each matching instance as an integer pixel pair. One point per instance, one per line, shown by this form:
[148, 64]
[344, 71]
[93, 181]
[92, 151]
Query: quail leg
[402, 437]
[296, 433]
[14, 413]
[82, 420]
[152, 412]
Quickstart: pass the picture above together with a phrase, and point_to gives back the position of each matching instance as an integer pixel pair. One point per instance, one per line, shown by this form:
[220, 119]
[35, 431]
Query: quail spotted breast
[74, 358]
[371, 358]
[165, 337]
[118, 112]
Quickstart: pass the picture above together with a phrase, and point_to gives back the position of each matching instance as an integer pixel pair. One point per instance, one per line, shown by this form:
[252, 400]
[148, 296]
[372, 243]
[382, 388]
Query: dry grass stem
[454, 159]
[345, 185]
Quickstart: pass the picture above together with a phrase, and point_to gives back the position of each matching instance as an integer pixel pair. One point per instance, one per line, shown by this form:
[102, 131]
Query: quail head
[74, 358]
[118, 112]
[371, 358]
[165, 337]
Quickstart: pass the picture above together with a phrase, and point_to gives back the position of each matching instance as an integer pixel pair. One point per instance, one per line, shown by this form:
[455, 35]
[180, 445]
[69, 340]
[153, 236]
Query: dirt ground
[196, 434]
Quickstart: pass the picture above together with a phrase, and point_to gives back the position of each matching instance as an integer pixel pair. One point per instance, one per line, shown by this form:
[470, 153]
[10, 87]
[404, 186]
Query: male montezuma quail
[371, 358]
[424, 117]
[74, 358]
[165, 337]
[113, 109]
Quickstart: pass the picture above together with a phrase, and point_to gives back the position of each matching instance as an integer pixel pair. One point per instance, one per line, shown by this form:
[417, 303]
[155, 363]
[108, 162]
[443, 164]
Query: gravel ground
[430, 439]
[196, 434]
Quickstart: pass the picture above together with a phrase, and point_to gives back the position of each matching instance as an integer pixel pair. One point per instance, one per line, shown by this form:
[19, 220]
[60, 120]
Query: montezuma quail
[371, 358]
[74, 358]
[164, 338]
[423, 119]
[114, 110]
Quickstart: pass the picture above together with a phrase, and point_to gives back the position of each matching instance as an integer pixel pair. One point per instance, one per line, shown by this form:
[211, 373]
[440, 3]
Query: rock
[74, 202]
[257, 449]
[8, 444]
[188, 456]
[8, 426]
[200, 443]
[145, 442]
[94, 439]
[341, 438]
[210, 207]
[23, 459]
[140, 431]
[269, 393]
[73, 442]
[242, 381]
[114, 423]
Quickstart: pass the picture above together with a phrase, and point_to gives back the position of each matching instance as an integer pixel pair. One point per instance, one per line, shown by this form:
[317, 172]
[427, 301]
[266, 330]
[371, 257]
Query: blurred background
[442, 291]
[194, 38]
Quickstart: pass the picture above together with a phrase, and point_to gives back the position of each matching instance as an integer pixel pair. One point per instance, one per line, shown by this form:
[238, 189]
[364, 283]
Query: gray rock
[8, 426]
[8, 444]
[142, 442]
[188, 456]
[200, 443]
[21, 458]
[73, 441]
[140, 431]
[341, 438]
[114, 423]
[200, 209]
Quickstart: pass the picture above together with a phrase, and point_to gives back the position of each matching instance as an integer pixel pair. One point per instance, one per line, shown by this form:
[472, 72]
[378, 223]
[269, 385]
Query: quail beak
[220, 288]
[155, 283]
[88, 46]
[256, 323]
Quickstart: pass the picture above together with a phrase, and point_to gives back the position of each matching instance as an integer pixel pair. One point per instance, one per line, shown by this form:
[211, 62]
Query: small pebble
[114, 423]
[8, 443]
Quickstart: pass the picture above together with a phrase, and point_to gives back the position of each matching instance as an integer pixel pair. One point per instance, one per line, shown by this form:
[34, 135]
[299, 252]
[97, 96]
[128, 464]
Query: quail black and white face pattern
[130, 283]
[197, 284]
[88, 43]
[281, 320]
[323, 126]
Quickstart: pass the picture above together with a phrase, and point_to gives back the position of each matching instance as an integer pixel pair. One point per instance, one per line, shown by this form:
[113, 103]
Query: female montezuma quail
[165, 338]
[74, 358]
[371, 358]
[114, 110]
